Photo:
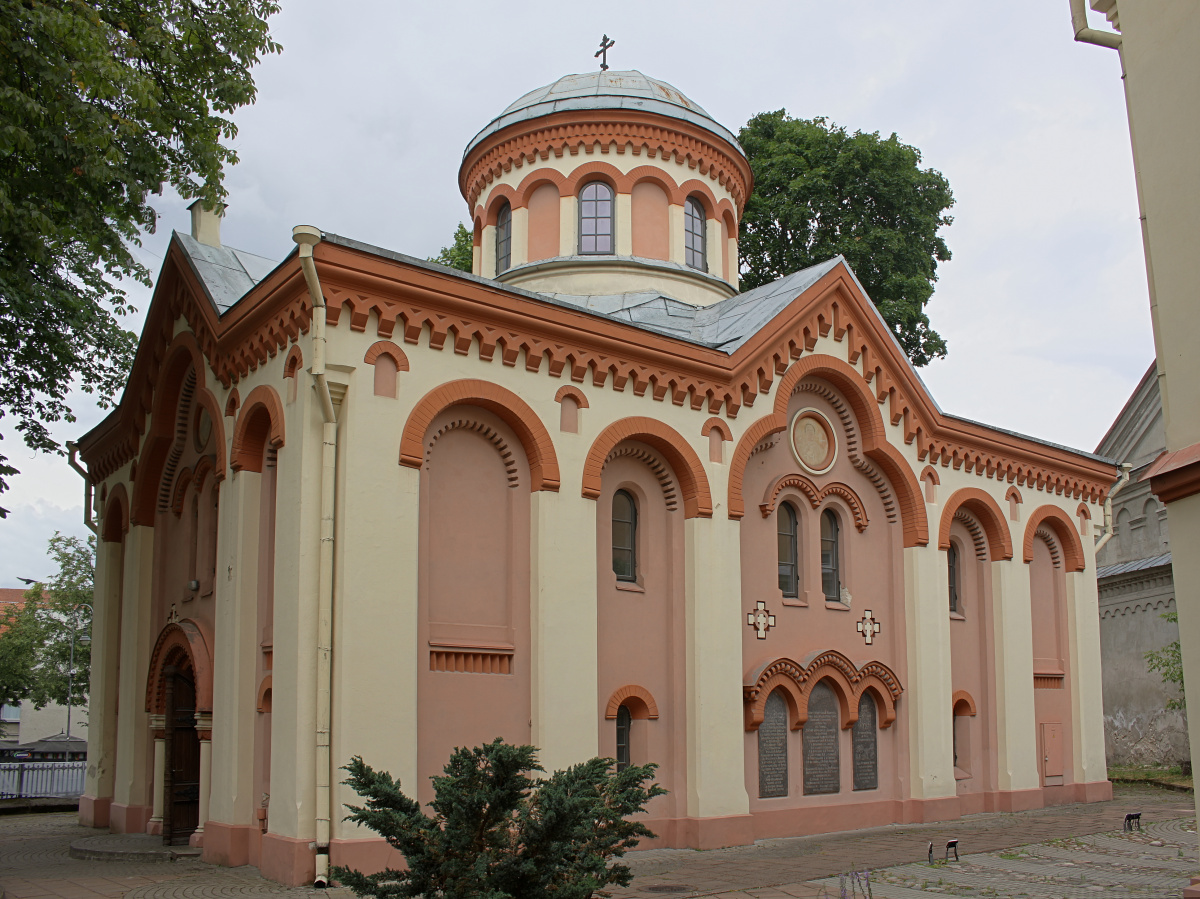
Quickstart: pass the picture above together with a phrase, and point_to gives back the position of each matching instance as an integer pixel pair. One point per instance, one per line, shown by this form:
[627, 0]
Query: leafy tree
[497, 833]
[459, 254]
[36, 636]
[102, 103]
[1168, 662]
[820, 191]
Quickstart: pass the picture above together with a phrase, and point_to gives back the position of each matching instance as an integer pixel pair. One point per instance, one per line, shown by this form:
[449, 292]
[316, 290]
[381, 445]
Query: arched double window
[952, 571]
[503, 238]
[624, 536]
[831, 555]
[789, 574]
[624, 725]
[694, 234]
[596, 219]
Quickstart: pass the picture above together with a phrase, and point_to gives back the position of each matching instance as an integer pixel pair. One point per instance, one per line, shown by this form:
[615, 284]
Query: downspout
[1107, 534]
[306, 237]
[1087, 35]
[73, 448]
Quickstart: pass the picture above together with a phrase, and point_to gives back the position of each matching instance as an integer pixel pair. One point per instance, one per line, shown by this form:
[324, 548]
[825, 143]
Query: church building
[591, 497]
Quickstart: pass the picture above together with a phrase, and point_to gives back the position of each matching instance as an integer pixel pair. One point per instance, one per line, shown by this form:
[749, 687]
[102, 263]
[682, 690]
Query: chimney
[206, 223]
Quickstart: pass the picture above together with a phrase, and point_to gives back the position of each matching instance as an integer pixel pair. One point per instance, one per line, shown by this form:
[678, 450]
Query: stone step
[130, 847]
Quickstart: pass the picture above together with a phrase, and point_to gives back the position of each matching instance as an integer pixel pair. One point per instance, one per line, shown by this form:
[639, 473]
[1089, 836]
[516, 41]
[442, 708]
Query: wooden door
[181, 804]
[1052, 752]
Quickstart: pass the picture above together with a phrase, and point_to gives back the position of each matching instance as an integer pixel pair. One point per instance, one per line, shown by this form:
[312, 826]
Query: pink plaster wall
[1047, 594]
[473, 586]
[640, 626]
[543, 223]
[651, 230]
[871, 571]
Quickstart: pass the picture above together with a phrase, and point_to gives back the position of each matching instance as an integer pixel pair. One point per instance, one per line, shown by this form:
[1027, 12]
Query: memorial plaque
[866, 747]
[822, 764]
[772, 749]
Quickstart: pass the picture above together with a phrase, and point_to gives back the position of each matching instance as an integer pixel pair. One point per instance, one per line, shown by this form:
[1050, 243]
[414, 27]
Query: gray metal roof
[1135, 565]
[606, 90]
[227, 274]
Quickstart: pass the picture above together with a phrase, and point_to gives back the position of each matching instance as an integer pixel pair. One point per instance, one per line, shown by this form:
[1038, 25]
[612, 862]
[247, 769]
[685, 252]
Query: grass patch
[1151, 774]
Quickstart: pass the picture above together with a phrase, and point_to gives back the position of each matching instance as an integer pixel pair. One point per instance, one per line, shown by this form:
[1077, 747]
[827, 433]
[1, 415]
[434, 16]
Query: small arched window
[596, 219]
[694, 234]
[624, 536]
[831, 568]
[624, 725]
[503, 238]
[789, 581]
[952, 571]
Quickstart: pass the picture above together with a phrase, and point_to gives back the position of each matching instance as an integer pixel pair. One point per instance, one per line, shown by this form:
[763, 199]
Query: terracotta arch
[642, 706]
[1083, 512]
[1063, 527]
[574, 393]
[962, 699]
[689, 472]
[932, 473]
[293, 361]
[989, 515]
[1013, 495]
[909, 497]
[539, 448]
[843, 690]
[652, 173]
[206, 399]
[536, 179]
[182, 354]
[499, 194]
[116, 515]
[797, 680]
[789, 688]
[181, 642]
[715, 424]
[702, 190]
[386, 348]
[259, 425]
[595, 171]
[729, 215]
[263, 703]
[231, 404]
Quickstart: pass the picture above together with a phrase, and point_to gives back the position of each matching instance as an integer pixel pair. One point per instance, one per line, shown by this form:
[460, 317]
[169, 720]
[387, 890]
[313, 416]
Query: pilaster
[519, 247]
[1016, 725]
[105, 671]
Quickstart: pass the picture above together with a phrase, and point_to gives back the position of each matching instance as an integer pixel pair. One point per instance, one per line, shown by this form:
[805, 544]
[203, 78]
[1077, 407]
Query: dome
[606, 90]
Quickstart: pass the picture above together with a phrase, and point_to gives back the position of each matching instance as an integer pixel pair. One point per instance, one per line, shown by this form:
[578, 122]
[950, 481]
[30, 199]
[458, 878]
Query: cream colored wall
[608, 275]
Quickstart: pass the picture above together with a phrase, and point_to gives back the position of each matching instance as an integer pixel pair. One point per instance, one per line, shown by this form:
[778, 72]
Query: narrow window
[624, 536]
[788, 576]
[503, 238]
[624, 720]
[596, 219]
[831, 573]
[952, 566]
[693, 234]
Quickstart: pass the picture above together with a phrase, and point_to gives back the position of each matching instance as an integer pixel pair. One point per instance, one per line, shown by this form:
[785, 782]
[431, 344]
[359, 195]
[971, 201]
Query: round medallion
[813, 441]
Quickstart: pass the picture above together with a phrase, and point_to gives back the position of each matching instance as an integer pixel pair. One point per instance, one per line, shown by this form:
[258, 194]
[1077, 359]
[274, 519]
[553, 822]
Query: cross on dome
[602, 53]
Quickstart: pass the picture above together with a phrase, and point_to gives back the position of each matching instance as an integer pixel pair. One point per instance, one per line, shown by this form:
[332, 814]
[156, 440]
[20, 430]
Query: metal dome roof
[605, 90]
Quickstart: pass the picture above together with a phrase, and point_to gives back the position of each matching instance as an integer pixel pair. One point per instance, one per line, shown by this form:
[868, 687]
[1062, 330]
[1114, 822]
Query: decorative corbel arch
[207, 400]
[1083, 512]
[715, 424]
[514, 411]
[694, 187]
[904, 483]
[848, 681]
[183, 480]
[987, 512]
[499, 195]
[963, 699]
[658, 176]
[386, 348]
[689, 472]
[595, 171]
[259, 424]
[1014, 496]
[181, 642]
[1059, 522]
[116, 515]
[574, 393]
[857, 509]
[293, 361]
[642, 705]
[795, 481]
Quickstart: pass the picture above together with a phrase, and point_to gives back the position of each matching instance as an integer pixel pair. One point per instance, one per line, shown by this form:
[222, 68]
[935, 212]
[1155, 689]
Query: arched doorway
[181, 793]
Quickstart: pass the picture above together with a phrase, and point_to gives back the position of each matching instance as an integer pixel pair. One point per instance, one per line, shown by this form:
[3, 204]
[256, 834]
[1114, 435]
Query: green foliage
[459, 254]
[820, 191]
[102, 103]
[497, 833]
[35, 645]
[1168, 662]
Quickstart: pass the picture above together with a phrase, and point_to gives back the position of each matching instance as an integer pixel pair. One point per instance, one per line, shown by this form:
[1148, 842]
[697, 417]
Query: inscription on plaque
[772, 749]
[822, 763]
[866, 749]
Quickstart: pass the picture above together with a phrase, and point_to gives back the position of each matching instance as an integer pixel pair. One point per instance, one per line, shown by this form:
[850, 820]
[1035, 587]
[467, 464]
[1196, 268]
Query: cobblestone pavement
[1068, 851]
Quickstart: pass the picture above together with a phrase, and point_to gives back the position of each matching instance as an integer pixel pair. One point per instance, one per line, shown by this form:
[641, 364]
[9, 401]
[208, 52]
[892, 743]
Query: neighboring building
[1136, 589]
[589, 497]
[55, 748]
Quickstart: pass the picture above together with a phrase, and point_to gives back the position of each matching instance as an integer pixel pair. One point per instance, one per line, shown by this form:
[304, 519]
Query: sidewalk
[35, 861]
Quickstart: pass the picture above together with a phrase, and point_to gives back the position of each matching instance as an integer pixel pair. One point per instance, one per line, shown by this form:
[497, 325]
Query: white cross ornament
[760, 619]
[868, 627]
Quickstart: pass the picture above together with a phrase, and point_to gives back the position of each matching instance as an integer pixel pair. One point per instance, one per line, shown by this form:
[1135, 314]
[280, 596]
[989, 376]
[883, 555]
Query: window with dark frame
[831, 574]
[503, 238]
[624, 722]
[624, 536]
[694, 234]
[596, 219]
[952, 570]
[787, 526]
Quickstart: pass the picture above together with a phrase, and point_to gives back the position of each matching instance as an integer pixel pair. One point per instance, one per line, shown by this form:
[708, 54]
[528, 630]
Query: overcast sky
[361, 122]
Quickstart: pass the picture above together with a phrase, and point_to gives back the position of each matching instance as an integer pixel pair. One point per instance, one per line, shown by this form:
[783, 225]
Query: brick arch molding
[849, 683]
[386, 348]
[689, 472]
[116, 515]
[512, 410]
[962, 697]
[1057, 521]
[987, 512]
[188, 640]
[295, 359]
[250, 436]
[574, 393]
[644, 707]
[716, 424]
[909, 496]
